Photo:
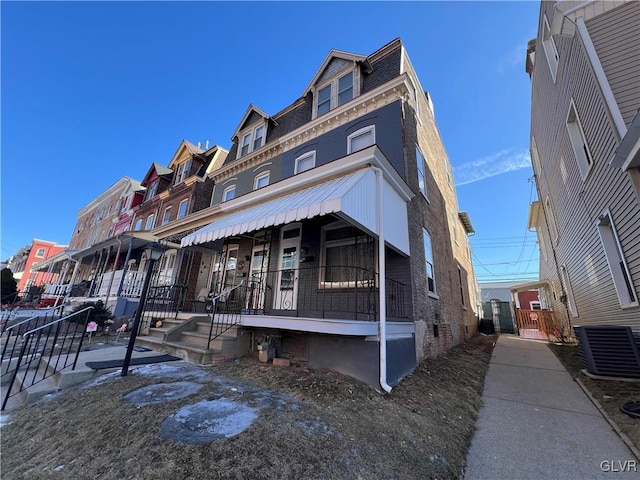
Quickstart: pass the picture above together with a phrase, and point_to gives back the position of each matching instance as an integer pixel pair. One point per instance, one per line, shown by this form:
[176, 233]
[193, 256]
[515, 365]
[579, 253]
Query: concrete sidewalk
[537, 423]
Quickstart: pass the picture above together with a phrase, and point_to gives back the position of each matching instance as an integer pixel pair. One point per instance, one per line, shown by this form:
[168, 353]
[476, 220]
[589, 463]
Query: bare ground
[610, 394]
[319, 425]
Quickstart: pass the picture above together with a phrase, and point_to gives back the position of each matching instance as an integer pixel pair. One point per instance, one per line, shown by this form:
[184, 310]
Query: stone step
[201, 339]
[205, 327]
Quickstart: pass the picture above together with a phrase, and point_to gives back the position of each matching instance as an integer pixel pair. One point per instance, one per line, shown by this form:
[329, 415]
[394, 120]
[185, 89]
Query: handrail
[225, 293]
[220, 331]
[35, 345]
[45, 311]
[56, 321]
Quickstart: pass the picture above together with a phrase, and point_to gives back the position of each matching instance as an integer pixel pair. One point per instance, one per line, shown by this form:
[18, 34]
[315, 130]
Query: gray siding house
[334, 226]
[585, 136]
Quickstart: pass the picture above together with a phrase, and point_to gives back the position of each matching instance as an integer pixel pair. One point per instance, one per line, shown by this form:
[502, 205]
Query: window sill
[433, 295]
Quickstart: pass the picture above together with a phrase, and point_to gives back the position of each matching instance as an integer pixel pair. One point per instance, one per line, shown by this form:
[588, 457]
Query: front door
[286, 293]
[224, 270]
[257, 277]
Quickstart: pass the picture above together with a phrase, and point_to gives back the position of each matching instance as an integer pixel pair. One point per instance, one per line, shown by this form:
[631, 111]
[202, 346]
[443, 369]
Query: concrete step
[200, 340]
[205, 326]
[158, 332]
[195, 354]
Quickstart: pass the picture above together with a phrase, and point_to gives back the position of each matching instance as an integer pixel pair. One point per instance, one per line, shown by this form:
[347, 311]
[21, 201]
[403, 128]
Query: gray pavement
[537, 423]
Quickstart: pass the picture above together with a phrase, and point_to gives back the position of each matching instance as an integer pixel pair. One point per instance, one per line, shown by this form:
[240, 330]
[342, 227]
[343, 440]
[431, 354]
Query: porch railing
[341, 292]
[223, 314]
[44, 351]
[542, 320]
[163, 302]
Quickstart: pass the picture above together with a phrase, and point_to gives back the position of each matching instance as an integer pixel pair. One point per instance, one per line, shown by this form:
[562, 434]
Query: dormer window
[335, 93]
[183, 171]
[252, 140]
[151, 191]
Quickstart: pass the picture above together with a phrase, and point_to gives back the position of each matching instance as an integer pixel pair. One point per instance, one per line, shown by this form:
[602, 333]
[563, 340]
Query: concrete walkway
[537, 423]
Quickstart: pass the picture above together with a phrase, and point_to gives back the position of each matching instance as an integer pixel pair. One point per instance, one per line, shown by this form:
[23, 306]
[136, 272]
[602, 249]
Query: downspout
[382, 284]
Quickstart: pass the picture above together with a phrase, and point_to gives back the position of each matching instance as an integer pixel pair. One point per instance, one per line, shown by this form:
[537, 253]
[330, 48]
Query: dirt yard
[310, 424]
[610, 394]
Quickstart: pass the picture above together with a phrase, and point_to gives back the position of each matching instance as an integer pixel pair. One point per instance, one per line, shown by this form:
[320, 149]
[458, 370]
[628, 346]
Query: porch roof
[350, 196]
[523, 287]
[54, 260]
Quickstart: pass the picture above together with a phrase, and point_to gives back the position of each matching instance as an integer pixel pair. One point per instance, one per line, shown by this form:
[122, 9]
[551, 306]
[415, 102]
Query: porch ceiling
[350, 196]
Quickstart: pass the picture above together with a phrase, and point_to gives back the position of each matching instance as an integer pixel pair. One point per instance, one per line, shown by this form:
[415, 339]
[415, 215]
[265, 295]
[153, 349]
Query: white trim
[259, 177]
[165, 217]
[227, 190]
[335, 327]
[550, 44]
[568, 290]
[229, 180]
[262, 165]
[576, 135]
[249, 134]
[304, 156]
[552, 226]
[620, 273]
[358, 133]
[334, 93]
[186, 212]
[376, 98]
[602, 78]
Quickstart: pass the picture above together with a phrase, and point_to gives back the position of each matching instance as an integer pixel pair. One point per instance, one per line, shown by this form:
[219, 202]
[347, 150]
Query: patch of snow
[206, 421]
[161, 392]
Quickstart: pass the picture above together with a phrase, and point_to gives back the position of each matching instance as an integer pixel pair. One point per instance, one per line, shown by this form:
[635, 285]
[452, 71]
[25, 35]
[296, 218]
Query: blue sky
[93, 91]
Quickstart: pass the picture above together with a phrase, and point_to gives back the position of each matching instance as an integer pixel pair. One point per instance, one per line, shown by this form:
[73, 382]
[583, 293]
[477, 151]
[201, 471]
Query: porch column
[113, 272]
[73, 275]
[126, 267]
[97, 267]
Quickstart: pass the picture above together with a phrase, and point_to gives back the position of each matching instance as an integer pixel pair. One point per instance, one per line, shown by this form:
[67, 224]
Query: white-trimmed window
[251, 140]
[617, 262]
[549, 47]
[40, 253]
[153, 188]
[428, 257]
[422, 179]
[363, 138]
[578, 141]
[348, 257]
[261, 180]
[551, 219]
[138, 226]
[305, 161]
[149, 224]
[166, 216]
[183, 171]
[182, 209]
[568, 292]
[229, 193]
[335, 93]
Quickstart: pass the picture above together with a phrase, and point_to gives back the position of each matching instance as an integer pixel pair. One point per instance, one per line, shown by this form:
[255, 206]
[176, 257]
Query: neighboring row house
[339, 218]
[23, 263]
[585, 147]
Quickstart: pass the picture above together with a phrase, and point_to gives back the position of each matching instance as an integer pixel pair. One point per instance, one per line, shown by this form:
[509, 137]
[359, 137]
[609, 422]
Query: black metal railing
[341, 292]
[162, 302]
[44, 351]
[225, 311]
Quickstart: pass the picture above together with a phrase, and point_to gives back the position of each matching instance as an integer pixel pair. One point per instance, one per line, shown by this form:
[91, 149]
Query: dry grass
[610, 394]
[318, 424]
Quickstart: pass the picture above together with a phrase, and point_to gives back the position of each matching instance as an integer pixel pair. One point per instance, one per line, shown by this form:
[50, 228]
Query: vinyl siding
[578, 203]
[616, 38]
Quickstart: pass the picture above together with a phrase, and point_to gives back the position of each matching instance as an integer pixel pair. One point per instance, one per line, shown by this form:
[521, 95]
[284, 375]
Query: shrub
[100, 313]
